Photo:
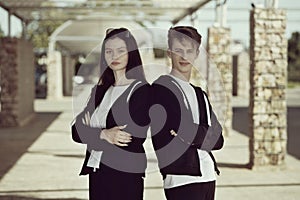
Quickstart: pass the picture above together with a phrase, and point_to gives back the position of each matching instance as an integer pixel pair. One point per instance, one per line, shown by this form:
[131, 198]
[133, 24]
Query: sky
[237, 15]
[238, 18]
[16, 27]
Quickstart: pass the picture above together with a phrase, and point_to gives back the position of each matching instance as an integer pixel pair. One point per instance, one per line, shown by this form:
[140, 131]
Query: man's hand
[173, 133]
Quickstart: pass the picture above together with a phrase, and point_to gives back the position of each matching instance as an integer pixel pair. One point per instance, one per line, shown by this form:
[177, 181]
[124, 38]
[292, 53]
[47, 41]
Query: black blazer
[131, 110]
[178, 155]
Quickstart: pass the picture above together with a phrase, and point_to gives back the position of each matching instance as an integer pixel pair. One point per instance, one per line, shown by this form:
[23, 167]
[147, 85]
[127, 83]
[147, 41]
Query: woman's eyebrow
[116, 48]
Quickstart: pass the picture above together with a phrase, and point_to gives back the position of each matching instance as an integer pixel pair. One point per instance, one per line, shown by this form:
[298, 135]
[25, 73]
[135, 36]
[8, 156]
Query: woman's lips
[115, 63]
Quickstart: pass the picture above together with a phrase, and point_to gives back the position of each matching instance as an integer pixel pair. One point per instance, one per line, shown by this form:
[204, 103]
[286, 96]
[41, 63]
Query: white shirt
[98, 118]
[206, 163]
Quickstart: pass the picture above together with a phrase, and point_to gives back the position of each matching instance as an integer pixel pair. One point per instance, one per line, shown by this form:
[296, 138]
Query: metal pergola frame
[149, 10]
[96, 12]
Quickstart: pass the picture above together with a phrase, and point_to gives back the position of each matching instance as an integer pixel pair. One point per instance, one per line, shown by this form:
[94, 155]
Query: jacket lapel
[201, 105]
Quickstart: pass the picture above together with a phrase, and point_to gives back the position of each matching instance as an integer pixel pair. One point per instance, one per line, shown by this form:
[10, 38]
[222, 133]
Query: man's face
[183, 54]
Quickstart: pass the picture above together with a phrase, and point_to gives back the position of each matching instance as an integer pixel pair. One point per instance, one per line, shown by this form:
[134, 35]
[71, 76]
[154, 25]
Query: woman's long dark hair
[134, 67]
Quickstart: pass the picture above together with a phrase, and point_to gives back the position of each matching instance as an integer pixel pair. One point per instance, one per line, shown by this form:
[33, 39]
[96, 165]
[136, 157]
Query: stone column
[220, 75]
[54, 75]
[17, 91]
[268, 80]
[68, 74]
[243, 75]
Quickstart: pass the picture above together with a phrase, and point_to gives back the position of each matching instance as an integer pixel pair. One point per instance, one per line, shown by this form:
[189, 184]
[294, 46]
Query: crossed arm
[97, 137]
[181, 127]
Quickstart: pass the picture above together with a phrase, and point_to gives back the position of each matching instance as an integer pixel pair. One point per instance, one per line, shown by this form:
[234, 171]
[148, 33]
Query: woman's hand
[116, 136]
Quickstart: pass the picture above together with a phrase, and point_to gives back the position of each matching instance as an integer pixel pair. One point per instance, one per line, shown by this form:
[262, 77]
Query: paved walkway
[45, 163]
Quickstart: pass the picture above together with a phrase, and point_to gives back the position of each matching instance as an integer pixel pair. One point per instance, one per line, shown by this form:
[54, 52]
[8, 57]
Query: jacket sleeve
[201, 136]
[209, 135]
[214, 139]
[139, 105]
[168, 113]
[85, 134]
[163, 108]
[192, 134]
[139, 114]
[206, 138]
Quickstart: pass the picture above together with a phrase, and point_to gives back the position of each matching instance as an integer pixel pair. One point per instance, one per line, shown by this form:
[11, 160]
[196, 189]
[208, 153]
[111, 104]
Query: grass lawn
[292, 84]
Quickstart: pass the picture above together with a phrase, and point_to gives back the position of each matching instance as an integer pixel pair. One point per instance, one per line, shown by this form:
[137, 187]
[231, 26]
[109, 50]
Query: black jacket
[178, 155]
[131, 110]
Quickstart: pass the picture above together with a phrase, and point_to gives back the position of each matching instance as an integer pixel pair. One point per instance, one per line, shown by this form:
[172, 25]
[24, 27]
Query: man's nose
[184, 55]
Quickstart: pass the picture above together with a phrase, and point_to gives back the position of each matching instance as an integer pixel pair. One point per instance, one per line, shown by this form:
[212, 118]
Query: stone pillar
[235, 77]
[16, 81]
[220, 75]
[54, 75]
[68, 74]
[268, 80]
[240, 74]
[243, 75]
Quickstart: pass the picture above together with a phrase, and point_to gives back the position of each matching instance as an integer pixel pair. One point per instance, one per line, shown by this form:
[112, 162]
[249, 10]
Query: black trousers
[110, 184]
[193, 191]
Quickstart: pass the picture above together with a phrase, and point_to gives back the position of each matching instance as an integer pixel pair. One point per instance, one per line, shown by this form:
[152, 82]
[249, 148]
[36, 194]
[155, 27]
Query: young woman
[115, 121]
[190, 131]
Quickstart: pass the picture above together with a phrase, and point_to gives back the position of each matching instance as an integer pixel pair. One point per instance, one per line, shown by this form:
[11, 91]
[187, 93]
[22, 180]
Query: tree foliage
[38, 32]
[294, 57]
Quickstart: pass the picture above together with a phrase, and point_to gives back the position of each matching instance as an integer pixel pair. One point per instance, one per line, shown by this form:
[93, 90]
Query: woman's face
[116, 54]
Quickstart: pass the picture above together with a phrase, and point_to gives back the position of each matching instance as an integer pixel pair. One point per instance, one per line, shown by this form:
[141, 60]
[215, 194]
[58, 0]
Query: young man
[184, 128]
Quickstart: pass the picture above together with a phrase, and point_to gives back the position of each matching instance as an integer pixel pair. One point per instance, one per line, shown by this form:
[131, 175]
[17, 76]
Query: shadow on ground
[28, 198]
[233, 165]
[240, 123]
[15, 141]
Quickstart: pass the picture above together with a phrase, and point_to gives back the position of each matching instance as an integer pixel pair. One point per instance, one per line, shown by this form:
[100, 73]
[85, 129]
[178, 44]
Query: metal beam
[97, 2]
[78, 38]
[129, 8]
[190, 11]
[9, 24]
[9, 10]
[104, 18]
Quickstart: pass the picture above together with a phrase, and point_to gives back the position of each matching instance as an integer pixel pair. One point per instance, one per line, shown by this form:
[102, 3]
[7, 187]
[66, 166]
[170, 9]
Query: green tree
[38, 32]
[294, 57]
